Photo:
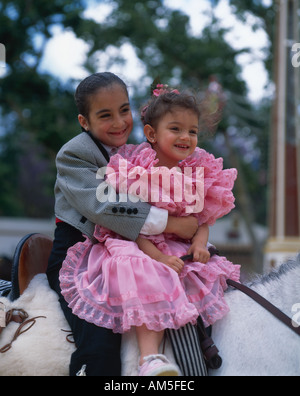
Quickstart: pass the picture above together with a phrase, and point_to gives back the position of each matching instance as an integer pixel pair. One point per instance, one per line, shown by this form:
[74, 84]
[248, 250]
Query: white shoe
[158, 365]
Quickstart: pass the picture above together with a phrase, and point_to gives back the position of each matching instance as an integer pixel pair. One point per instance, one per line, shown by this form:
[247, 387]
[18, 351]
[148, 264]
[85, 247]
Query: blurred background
[231, 45]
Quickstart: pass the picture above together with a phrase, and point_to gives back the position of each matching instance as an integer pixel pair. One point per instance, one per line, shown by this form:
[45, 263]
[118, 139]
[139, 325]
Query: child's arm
[198, 247]
[184, 227]
[148, 248]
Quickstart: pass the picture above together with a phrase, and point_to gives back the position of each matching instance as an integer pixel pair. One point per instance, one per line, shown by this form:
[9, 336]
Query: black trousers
[99, 348]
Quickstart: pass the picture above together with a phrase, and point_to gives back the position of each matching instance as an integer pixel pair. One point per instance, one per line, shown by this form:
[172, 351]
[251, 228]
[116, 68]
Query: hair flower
[163, 88]
[160, 89]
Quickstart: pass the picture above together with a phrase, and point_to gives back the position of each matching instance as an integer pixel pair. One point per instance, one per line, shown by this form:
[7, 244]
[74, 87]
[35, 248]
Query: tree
[38, 109]
[35, 107]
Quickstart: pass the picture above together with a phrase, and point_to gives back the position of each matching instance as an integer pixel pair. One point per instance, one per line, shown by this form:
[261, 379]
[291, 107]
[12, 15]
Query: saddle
[30, 258]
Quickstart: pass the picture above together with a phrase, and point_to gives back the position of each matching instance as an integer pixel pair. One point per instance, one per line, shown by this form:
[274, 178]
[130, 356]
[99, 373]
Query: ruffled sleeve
[133, 170]
[218, 185]
[137, 155]
[127, 171]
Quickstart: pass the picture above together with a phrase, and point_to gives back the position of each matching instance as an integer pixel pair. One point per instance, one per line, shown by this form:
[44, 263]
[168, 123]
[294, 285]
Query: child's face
[175, 137]
[110, 118]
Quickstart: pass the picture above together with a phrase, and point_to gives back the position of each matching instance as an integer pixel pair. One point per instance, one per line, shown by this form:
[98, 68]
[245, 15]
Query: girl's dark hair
[90, 85]
[160, 105]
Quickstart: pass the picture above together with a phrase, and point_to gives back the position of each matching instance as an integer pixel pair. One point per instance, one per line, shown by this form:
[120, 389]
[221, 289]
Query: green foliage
[38, 112]
[35, 107]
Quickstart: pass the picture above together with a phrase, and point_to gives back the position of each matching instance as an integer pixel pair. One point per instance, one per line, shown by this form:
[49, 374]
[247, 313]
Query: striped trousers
[5, 288]
[187, 352]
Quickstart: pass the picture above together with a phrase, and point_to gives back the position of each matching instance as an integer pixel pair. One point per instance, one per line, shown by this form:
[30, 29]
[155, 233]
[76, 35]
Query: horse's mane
[276, 274]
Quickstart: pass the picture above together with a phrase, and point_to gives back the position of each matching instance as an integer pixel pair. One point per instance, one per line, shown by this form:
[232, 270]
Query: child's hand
[200, 253]
[173, 262]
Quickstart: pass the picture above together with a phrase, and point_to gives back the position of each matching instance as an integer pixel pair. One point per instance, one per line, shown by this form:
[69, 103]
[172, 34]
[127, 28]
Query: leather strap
[255, 296]
[14, 315]
[208, 347]
[18, 316]
[266, 304]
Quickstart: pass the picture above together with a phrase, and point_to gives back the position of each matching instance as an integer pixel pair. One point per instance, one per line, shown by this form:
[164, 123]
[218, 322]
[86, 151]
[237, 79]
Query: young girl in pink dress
[119, 284]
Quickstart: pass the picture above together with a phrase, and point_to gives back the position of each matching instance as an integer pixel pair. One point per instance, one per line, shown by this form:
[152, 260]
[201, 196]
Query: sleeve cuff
[156, 221]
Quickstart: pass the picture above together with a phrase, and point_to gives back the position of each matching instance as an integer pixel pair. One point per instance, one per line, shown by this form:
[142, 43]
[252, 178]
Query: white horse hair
[251, 341]
[42, 350]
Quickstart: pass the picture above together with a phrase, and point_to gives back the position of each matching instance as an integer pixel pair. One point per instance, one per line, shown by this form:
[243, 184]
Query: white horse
[251, 341]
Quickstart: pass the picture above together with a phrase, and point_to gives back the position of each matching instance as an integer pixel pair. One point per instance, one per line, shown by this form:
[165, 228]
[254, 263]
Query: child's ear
[150, 133]
[83, 122]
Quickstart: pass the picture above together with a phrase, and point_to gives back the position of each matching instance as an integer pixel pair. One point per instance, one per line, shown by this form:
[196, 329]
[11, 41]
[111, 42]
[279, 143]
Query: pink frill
[114, 292]
[115, 285]
[141, 159]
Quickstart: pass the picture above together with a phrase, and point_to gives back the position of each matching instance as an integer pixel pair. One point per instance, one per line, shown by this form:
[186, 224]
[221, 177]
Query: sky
[61, 60]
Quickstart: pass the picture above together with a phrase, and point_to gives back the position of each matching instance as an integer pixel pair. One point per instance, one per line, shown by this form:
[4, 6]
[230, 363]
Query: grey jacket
[76, 202]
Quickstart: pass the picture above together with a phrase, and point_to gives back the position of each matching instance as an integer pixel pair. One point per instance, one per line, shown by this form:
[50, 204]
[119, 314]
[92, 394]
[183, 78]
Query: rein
[21, 317]
[265, 304]
[255, 296]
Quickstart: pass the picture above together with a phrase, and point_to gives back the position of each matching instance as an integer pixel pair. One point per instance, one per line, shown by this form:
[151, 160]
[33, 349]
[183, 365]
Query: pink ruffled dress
[113, 284]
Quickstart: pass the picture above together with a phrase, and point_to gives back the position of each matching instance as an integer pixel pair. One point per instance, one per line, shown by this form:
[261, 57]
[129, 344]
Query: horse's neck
[282, 289]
